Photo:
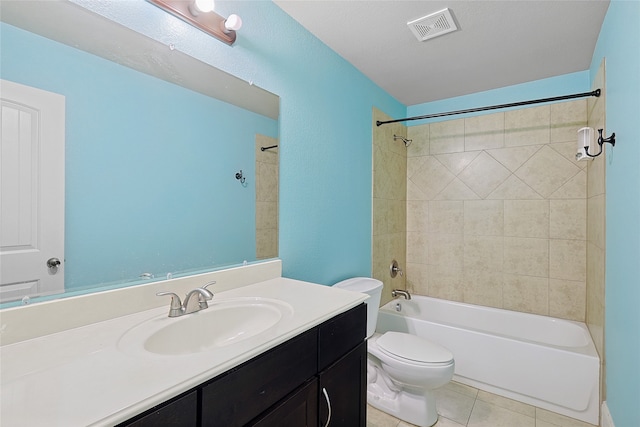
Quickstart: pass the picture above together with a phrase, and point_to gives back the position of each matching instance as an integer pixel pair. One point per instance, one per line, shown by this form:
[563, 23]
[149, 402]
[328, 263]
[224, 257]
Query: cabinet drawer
[180, 412]
[246, 391]
[340, 334]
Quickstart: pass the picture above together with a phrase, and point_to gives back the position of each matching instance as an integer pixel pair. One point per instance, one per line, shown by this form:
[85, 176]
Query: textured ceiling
[498, 43]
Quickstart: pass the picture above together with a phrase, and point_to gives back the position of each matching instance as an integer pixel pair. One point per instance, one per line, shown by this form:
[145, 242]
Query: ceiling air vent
[433, 25]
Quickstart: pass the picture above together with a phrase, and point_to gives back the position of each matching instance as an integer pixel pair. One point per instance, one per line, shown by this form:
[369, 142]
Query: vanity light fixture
[200, 14]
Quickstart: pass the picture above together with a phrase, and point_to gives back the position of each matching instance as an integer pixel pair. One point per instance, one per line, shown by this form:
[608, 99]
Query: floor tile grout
[497, 410]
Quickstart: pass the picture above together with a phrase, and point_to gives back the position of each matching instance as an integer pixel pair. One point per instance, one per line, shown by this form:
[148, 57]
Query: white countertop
[83, 376]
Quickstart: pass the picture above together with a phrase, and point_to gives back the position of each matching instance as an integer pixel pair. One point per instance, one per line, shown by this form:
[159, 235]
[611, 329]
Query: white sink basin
[224, 323]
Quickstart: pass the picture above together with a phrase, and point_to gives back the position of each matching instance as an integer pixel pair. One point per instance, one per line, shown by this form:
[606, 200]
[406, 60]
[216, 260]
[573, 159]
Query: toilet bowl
[403, 370]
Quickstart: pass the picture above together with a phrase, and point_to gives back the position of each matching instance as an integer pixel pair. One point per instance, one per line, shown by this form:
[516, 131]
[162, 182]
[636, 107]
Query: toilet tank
[371, 287]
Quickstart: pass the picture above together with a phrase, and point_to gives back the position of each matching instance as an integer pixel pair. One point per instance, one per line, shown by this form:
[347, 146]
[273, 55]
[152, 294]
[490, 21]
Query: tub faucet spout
[400, 293]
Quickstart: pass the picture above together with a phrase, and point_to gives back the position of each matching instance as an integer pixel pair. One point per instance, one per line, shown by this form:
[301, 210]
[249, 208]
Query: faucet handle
[204, 296]
[176, 305]
[213, 282]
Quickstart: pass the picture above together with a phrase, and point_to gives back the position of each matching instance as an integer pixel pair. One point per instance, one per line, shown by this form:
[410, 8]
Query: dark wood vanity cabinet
[299, 383]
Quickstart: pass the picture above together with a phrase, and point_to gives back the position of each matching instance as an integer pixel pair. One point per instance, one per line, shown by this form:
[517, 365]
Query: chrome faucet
[400, 293]
[195, 300]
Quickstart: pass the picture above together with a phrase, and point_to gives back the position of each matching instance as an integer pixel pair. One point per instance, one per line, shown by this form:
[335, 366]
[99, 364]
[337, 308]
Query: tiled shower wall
[389, 203]
[596, 226]
[496, 210]
[267, 165]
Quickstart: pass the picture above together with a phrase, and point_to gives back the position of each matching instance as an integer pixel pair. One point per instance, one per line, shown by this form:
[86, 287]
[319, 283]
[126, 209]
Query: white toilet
[403, 370]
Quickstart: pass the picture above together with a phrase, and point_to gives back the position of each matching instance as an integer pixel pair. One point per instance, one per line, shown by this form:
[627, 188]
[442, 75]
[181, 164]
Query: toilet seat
[413, 349]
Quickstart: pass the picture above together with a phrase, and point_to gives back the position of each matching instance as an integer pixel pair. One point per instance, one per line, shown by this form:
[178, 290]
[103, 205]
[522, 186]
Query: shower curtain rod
[595, 93]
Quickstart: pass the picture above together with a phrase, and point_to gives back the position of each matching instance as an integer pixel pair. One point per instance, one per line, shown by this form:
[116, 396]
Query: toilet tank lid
[413, 347]
[359, 284]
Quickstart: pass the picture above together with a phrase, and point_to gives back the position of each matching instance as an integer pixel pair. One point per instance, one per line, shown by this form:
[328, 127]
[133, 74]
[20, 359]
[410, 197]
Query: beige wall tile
[527, 126]
[414, 164]
[390, 239]
[457, 190]
[483, 287]
[483, 253]
[546, 171]
[568, 151]
[575, 188]
[566, 119]
[528, 294]
[432, 177]
[526, 256]
[266, 243]
[417, 247]
[387, 184]
[456, 162]
[417, 278]
[513, 188]
[513, 158]
[484, 217]
[496, 211]
[596, 176]
[526, 218]
[419, 136]
[446, 250]
[568, 219]
[567, 259]
[266, 215]
[417, 215]
[484, 132]
[447, 136]
[596, 217]
[484, 174]
[446, 216]
[567, 299]
[266, 195]
[446, 282]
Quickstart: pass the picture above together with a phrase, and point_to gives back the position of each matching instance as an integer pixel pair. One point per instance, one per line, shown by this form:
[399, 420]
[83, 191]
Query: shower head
[407, 142]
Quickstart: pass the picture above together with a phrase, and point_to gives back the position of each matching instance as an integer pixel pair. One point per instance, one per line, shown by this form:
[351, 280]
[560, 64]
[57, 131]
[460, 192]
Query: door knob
[53, 263]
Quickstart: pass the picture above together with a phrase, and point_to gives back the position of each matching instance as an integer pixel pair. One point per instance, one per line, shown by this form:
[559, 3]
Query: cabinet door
[245, 392]
[300, 409]
[342, 390]
[181, 412]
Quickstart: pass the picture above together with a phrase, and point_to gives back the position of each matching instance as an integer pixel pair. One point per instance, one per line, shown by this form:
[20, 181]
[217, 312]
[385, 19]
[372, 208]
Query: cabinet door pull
[326, 397]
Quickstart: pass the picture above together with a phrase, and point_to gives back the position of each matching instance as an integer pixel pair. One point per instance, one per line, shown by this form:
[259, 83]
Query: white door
[32, 137]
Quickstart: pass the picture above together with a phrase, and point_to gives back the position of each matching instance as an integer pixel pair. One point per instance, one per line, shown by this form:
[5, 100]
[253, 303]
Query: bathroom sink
[224, 323]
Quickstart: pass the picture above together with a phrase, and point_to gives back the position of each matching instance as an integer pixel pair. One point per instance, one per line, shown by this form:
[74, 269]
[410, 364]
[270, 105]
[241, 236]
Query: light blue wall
[567, 84]
[138, 151]
[619, 43]
[325, 127]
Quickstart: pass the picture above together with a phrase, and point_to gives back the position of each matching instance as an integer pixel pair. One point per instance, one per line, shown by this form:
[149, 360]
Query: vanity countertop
[84, 376]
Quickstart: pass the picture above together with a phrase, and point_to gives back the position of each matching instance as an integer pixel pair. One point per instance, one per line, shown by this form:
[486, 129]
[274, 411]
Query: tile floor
[462, 406]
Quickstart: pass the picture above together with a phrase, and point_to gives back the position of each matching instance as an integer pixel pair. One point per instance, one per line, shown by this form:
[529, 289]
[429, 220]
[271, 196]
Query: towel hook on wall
[611, 140]
[239, 177]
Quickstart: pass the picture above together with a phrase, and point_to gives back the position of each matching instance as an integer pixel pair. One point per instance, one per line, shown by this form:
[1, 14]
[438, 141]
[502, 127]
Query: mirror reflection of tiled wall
[267, 171]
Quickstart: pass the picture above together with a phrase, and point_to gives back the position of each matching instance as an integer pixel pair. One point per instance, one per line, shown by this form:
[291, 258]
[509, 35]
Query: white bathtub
[546, 362]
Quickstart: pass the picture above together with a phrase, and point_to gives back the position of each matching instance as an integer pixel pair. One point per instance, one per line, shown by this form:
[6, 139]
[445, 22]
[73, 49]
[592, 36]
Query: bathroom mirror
[164, 175]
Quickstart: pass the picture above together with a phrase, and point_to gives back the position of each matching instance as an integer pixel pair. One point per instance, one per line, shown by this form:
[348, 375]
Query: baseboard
[605, 416]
